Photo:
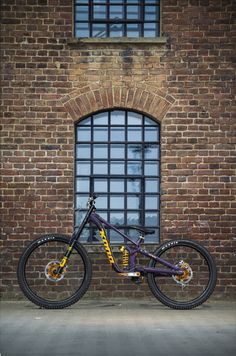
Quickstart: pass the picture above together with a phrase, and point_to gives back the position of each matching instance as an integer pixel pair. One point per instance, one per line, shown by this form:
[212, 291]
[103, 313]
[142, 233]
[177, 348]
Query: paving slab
[117, 327]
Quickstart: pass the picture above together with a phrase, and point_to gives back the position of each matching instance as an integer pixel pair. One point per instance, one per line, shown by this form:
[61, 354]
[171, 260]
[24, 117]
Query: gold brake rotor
[51, 271]
[186, 276]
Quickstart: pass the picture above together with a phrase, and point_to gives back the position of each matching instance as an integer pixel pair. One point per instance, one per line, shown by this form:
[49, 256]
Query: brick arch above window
[145, 98]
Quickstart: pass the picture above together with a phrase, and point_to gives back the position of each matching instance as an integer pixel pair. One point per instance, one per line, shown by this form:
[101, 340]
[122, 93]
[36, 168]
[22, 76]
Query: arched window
[118, 157]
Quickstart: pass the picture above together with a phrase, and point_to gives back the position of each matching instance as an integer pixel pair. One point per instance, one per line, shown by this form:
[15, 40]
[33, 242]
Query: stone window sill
[117, 40]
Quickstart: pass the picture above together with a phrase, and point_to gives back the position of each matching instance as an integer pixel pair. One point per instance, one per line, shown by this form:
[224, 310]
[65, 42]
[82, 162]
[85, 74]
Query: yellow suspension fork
[65, 258]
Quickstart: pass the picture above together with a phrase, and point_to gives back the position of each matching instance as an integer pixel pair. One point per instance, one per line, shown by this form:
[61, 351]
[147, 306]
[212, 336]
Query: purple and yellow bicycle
[55, 271]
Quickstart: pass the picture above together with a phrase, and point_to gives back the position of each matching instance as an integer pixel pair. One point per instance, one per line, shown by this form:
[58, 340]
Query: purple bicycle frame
[133, 251]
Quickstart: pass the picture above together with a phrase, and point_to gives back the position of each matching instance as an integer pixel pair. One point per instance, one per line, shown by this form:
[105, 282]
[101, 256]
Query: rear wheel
[37, 272]
[197, 282]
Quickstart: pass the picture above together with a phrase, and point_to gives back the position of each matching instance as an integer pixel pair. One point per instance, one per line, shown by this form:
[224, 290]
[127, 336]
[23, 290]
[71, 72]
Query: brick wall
[50, 81]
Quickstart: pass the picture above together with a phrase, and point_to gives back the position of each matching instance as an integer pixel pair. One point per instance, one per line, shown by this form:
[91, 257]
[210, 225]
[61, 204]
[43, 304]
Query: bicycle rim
[40, 280]
[197, 282]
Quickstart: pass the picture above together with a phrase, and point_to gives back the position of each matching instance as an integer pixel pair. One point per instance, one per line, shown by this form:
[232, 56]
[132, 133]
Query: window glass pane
[117, 151]
[135, 151]
[150, 13]
[117, 218]
[79, 216]
[99, 12]
[100, 119]
[134, 118]
[151, 134]
[103, 215]
[82, 185]
[116, 12]
[133, 202]
[117, 117]
[134, 168]
[100, 151]
[151, 168]
[151, 218]
[117, 202]
[83, 151]
[133, 30]
[133, 185]
[101, 202]
[83, 168]
[81, 201]
[117, 133]
[117, 185]
[150, 29]
[82, 30]
[151, 151]
[100, 185]
[133, 218]
[99, 30]
[116, 30]
[114, 236]
[152, 202]
[148, 121]
[117, 167]
[86, 121]
[100, 167]
[100, 134]
[134, 134]
[81, 13]
[151, 185]
[84, 134]
[133, 12]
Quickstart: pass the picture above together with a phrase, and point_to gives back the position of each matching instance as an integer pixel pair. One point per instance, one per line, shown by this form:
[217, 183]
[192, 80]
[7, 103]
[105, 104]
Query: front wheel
[37, 272]
[197, 282]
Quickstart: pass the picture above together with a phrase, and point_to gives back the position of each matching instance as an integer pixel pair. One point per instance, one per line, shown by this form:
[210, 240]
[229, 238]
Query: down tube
[95, 219]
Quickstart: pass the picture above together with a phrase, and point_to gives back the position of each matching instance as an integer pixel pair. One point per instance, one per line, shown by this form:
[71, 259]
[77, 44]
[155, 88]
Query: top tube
[96, 219]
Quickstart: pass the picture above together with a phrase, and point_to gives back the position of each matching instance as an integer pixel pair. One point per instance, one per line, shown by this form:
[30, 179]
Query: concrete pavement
[118, 327]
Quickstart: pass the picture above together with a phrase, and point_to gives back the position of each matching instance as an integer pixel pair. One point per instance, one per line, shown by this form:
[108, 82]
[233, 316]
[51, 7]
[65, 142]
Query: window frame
[141, 21]
[126, 177]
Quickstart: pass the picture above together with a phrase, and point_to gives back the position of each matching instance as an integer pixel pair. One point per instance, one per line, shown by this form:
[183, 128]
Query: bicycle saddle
[143, 230]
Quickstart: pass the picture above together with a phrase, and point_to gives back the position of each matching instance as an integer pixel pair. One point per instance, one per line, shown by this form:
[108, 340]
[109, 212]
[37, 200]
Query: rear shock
[125, 257]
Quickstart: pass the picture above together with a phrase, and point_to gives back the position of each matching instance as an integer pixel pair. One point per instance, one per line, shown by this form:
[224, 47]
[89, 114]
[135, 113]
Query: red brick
[187, 85]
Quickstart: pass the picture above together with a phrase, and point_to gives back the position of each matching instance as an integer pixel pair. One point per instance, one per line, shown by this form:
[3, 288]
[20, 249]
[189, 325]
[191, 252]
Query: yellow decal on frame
[106, 245]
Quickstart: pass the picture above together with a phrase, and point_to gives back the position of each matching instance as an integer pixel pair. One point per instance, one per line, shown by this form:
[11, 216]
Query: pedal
[137, 280]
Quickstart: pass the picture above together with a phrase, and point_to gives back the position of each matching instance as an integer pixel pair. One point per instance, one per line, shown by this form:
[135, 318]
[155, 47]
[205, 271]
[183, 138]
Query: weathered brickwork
[50, 81]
